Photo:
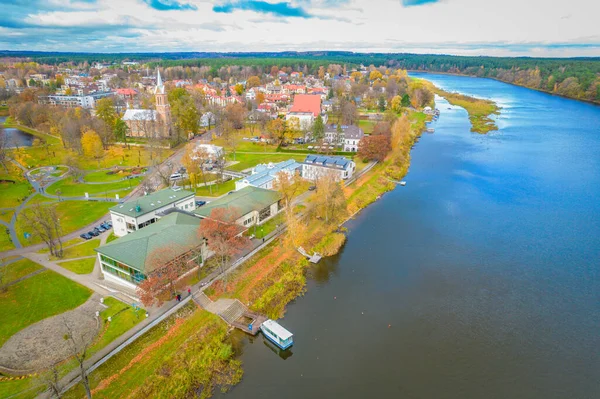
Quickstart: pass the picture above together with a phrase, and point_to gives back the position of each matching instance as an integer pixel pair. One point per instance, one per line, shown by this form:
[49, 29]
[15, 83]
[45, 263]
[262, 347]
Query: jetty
[314, 258]
[233, 312]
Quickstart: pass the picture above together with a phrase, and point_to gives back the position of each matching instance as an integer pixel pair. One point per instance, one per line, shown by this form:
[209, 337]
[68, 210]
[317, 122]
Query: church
[151, 123]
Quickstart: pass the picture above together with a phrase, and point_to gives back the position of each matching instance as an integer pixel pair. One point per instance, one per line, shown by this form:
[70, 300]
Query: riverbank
[480, 110]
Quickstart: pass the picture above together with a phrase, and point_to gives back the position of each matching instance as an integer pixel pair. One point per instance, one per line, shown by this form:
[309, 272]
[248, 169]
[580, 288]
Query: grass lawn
[367, 125]
[246, 160]
[111, 237]
[36, 298]
[6, 215]
[79, 266]
[123, 319]
[5, 241]
[103, 176]
[217, 189]
[69, 188]
[66, 244]
[172, 345]
[266, 228]
[20, 268]
[73, 215]
[78, 251]
[12, 194]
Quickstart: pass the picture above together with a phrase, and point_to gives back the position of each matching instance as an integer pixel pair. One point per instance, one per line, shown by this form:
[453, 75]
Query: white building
[348, 138]
[265, 175]
[214, 151]
[141, 212]
[315, 166]
[83, 101]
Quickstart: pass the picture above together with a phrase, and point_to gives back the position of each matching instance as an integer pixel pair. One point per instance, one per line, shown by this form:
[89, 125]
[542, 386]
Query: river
[15, 137]
[478, 279]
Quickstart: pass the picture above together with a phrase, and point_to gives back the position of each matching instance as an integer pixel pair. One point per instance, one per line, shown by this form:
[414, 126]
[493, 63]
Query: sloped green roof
[151, 202]
[244, 201]
[177, 232]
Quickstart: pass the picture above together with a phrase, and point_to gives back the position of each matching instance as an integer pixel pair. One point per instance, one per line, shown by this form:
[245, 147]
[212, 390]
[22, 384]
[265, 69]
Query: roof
[177, 232]
[277, 329]
[244, 201]
[151, 202]
[160, 88]
[328, 162]
[304, 103]
[126, 92]
[140, 115]
[264, 173]
[350, 132]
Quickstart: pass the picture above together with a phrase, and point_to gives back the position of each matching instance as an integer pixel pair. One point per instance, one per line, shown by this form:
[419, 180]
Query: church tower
[162, 104]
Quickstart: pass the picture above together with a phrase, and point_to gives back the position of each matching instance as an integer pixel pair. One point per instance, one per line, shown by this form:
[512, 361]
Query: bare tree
[44, 222]
[52, 381]
[79, 344]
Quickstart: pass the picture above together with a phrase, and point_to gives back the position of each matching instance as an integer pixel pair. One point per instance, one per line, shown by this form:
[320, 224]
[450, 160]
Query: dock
[233, 312]
[314, 258]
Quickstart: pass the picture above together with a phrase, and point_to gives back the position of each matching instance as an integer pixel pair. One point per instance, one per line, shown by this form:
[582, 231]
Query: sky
[464, 27]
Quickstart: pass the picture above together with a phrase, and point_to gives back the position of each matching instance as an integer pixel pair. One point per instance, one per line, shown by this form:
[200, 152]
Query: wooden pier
[314, 258]
[233, 312]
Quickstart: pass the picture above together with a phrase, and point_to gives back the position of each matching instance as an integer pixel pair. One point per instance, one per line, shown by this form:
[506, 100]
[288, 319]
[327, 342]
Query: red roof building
[305, 103]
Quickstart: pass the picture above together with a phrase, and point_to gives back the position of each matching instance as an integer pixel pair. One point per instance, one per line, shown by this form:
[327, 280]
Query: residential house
[315, 166]
[136, 214]
[306, 108]
[348, 138]
[265, 175]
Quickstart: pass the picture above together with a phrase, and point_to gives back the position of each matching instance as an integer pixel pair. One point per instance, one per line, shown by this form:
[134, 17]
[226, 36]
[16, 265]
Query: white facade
[265, 175]
[253, 218]
[315, 167]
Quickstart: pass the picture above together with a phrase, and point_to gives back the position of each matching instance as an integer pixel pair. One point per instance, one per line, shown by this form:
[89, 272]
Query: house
[150, 123]
[315, 166]
[306, 108]
[80, 100]
[129, 260]
[136, 214]
[265, 175]
[250, 206]
[208, 120]
[349, 137]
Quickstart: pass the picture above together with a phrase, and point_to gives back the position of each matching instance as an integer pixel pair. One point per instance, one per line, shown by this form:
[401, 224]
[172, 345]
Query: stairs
[202, 300]
[233, 312]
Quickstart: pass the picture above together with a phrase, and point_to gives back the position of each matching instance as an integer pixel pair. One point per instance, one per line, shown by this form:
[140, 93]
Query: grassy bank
[480, 110]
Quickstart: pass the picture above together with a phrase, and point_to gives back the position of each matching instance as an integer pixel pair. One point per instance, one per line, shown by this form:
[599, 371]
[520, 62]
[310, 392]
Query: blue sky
[468, 27]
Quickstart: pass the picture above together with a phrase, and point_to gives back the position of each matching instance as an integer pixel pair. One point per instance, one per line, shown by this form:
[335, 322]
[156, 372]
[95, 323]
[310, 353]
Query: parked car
[312, 188]
[200, 203]
[93, 233]
[85, 236]
[108, 223]
[176, 176]
[101, 229]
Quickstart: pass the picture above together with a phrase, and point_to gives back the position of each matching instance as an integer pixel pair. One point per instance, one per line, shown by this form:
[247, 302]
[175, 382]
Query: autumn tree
[330, 202]
[396, 104]
[92, 145]
[374, 148]
[191, 163]
[374, 75]
[290, 185]
[253, 81]
[277, 129]
[43, 221]
[105, 111]
[318, 129]
[223, 236]
[236, 115]
[79, 342]
[260, 97]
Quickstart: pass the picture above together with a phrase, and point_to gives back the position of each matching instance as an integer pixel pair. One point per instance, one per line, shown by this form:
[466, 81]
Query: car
[312, 188]
[97, 230]
[176, 176]
[200, 203]
[101, 229]
[85, 236]
[108, 223]
[93, 233]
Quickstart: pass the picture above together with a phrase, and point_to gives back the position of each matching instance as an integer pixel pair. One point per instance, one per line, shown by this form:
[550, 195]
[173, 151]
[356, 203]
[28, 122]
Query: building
[249, 206]
[348, 138]
[130, 259]
[87, 101]
[151, 123]
[136, 214]
[306, 108]
[214, 152]
[265, 175]
[315, 166]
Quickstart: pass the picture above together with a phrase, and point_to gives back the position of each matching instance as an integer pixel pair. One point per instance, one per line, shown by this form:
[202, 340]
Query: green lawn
[217, 189]
[266, 228]
[111, 237]
[123, 319]
[79, 266]
[5, 242]
[12, 194]
[36, 298]
[78, 251]
[73, 215]
[103, 176]
[69, 188]
[65, 244]
[20, 268]
[366, 125]
[6, 215]
[246, 160]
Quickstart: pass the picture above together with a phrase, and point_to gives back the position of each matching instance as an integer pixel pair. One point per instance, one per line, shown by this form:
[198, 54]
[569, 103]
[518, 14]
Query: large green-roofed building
[250, 205]
[131, 258]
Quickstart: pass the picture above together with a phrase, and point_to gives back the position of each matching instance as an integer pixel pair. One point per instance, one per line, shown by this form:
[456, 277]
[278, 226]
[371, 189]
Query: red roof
[126, 92]
[307, 103]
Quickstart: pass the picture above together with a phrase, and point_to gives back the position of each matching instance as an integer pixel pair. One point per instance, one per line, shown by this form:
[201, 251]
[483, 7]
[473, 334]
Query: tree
[349, 113]
[382, 128]
[396, 103]
[92, 145]
[290, 186]
[330, 202]
[223, 236]
[105, 111]
[42, 220]
[318, 129]
[260, 97]
[405, 100]
[253, 81]
[239, 89]
[374, 148]
[79, 344]
[381, 103]
[166, 265]
[374, 75]
[4, 151]
[236, 115]
[191, 164]
[277, 129]
[121, 130]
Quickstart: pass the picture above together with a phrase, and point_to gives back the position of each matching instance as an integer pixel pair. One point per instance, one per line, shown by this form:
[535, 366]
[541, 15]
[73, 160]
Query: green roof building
[250, 205]
[129, 259]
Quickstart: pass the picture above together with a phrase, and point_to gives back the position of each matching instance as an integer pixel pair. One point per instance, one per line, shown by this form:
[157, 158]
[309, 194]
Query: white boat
[277, 334]
[430, 130]
[403, 183]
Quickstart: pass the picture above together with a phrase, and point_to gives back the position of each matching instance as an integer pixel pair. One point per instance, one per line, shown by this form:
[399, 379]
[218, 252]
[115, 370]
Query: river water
[15, 137]
[478, 279]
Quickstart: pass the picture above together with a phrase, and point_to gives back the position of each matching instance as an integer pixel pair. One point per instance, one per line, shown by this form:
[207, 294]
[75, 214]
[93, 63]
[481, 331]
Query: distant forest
[571, 77]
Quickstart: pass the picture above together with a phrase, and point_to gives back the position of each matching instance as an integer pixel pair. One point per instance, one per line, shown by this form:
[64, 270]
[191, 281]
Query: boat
[277, 334]
[430, 130]
[403, 183]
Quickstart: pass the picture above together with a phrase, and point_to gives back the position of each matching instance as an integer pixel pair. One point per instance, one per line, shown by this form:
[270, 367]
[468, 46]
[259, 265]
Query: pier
[233, 312]
[314, 258]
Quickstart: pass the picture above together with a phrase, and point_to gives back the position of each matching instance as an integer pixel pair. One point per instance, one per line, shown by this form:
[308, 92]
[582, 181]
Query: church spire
[159, 89]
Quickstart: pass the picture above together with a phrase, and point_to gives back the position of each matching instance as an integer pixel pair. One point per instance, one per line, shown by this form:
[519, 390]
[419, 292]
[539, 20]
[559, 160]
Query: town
[142, 189]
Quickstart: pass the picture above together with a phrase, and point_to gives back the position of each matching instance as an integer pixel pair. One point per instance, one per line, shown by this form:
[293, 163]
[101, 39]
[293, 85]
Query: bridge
[234, 174]
[232, 311]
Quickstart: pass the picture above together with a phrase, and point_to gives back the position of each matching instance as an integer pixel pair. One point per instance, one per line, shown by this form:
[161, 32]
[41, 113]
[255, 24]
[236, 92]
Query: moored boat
[277, 334]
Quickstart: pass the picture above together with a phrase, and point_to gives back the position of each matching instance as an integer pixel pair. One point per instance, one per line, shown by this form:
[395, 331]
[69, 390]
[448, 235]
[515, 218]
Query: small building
[315, 166]
[265, 175]
[306, 108]
[131, 259]
[136, 214]
[250, 205]
[348, 138]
